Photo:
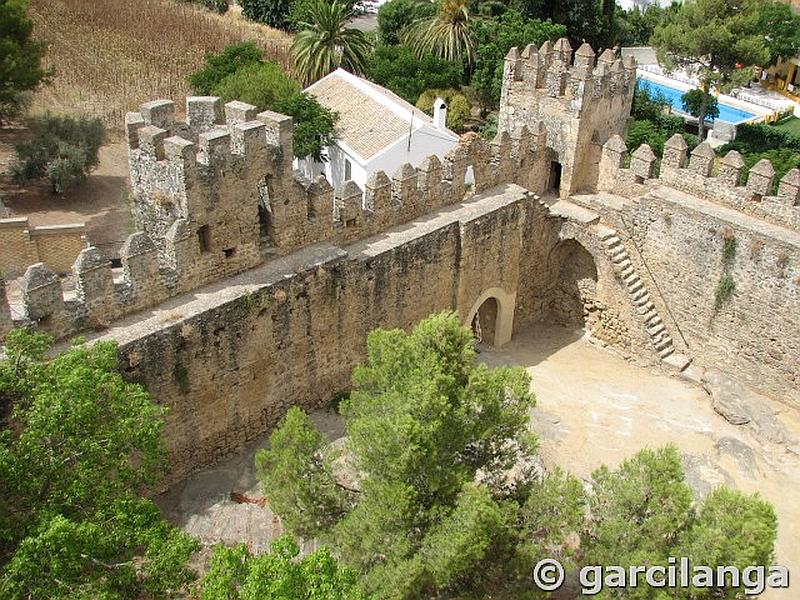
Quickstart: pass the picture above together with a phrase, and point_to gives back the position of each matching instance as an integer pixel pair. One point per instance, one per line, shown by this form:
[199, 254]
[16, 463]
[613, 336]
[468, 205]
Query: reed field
[109, 56]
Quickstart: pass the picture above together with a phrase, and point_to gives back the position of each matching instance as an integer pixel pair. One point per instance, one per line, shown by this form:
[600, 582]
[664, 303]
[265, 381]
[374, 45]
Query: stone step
[620, 258]
[611, 240]
[616, 250]
[663, 354]
[605, 232]
[627, 270]
[654, 320]
[630, 278]
[656, 329]
[635, 286]
[680, 363]
[641, 297]
[663, 343]
[624, 265]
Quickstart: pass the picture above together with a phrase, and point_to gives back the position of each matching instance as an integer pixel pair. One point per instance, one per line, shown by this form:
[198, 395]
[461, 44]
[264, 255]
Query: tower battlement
[583, 100]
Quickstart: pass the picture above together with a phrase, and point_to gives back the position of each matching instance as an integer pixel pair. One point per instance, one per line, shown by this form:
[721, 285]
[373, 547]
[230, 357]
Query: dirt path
[100, 201]
[593, 408]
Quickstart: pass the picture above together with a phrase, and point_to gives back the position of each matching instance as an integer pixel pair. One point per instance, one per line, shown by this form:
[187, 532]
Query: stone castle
[249, 289]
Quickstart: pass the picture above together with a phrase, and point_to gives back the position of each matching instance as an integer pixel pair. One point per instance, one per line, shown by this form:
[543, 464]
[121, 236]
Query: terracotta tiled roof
[371, 118]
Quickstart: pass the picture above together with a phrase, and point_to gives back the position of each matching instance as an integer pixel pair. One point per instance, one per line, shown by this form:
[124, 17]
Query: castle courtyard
[593, 407]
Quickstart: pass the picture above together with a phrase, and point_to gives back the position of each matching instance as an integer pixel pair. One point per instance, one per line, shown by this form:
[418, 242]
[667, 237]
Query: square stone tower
[582, 103]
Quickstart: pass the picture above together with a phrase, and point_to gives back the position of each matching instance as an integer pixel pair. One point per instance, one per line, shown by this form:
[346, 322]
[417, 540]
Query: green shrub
[219, 66]
[274, 13]
[458, 107]
[314, 125]
[692, 102]
[61, 150]
[262, 84]
[396, 15]
[400, 70]
[725, 289]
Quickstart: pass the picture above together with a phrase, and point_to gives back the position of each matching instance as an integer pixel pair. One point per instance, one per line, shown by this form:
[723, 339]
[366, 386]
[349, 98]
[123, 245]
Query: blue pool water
[727, 112]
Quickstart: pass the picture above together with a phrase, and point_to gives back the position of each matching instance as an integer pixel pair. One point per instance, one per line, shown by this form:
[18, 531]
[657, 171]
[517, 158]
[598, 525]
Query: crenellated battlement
[701, 174]
[216, 195]
[582, 99]
[576, 78]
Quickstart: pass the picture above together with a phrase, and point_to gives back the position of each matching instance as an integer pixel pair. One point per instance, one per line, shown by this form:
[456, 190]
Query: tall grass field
[109, 56]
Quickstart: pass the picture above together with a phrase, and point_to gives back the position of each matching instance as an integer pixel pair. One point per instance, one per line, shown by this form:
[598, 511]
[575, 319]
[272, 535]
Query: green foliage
[756, 142]
[60, 149]
[488, 127]
[219, 66]
[262, 84]
[314, 129]
[435, 511]
[396, 16]
[781, 27]
[589, 20]
[636, 26]
[642, 513]
[296, 476]
[728, 251]
[730, 529]
[20, 57]
[725, 289]
[274, 13]
[324, 42]
[422, 421]
[458, 108]
[237, 73]
[400, 70]
[713, 38]
[236, 574]
[697, 102]
[80, 444]
[647, 105]
[493, 38]
[445, 34]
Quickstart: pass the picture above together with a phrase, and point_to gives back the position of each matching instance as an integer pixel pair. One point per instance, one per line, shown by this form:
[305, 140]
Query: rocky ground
[593, 408]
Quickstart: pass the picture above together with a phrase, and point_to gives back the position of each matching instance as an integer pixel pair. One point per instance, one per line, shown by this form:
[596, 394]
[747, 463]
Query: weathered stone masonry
[249, 289]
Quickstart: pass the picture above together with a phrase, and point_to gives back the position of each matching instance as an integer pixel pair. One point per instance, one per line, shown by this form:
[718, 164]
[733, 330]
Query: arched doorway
[492, 317]
[575, 283]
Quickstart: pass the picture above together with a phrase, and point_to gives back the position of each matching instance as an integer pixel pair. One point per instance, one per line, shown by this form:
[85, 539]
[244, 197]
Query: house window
[348, 170]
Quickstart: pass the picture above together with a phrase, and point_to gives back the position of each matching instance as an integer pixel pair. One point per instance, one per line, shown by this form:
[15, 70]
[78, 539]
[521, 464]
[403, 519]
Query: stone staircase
[637, 291]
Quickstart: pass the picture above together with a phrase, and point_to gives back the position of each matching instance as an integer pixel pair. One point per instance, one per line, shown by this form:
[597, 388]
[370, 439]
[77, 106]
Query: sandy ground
[100, 201]
[593, 408]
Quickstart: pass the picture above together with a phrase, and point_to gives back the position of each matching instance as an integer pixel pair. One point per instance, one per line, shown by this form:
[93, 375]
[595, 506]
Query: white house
[377, 131]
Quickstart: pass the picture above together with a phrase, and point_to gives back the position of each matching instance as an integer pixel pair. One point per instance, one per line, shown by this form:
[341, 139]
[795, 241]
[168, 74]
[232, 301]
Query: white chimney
[439, 114]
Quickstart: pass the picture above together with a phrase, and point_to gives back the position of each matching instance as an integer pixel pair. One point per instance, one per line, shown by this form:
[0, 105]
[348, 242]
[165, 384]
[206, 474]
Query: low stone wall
[21, 244]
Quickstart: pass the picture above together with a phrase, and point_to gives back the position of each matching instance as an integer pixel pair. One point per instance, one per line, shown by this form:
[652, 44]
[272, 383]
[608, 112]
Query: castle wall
[680, 218]
[230, 361]
[22, 244]
[755, 334]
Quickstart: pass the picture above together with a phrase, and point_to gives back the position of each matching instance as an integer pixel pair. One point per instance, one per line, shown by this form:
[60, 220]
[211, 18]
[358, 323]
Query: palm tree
[325, 43]
[446, 34]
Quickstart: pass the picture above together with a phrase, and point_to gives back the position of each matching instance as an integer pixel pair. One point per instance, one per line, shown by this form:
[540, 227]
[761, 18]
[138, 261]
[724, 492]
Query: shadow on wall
[575, 287]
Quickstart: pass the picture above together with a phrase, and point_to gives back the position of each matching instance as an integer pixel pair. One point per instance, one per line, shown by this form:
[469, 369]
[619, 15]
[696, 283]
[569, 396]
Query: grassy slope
[789, 125]
[109, 56]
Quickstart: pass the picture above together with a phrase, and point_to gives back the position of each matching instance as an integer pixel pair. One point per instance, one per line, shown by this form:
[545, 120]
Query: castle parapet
[756, 196]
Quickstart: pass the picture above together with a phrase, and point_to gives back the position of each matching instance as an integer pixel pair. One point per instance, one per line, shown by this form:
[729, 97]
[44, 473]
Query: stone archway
[492, 317]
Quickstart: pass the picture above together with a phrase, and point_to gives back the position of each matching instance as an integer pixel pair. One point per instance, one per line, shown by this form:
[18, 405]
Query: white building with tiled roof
[377, 130]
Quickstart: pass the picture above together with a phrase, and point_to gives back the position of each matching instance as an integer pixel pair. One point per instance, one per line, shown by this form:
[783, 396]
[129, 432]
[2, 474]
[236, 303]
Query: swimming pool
[727, 113]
